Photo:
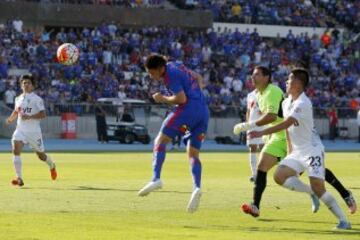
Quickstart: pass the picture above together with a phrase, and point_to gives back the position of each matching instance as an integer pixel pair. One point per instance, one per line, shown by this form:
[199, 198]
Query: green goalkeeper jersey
[270, 100]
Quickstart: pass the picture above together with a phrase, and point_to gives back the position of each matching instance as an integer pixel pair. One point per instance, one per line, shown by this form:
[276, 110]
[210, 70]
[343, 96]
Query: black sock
[331, 179]
[260, 185]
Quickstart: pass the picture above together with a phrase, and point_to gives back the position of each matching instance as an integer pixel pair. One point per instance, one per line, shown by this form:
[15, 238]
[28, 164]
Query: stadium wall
[86, 127]
[78, 15]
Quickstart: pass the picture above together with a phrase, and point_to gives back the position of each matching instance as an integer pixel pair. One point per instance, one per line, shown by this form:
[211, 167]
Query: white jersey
[302, 134]
[29, 104]
[254, 114]
[253, 107]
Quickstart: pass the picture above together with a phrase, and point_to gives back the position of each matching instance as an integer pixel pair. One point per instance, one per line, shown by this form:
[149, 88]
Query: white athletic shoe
[315, 203]
[343, 225]
[151, 186]
[194, 200]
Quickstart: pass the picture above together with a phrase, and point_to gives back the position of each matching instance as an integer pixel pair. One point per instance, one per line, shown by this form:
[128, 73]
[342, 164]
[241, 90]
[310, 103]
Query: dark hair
[265, 71]
[27, 77]
[302, 75]
[155, 61]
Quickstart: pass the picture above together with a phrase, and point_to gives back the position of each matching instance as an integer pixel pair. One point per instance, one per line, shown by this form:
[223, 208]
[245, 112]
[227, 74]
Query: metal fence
[87, 109]
[83, 109]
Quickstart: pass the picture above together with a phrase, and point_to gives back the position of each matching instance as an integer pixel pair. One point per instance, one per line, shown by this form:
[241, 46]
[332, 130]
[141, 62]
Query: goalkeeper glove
[242, 127]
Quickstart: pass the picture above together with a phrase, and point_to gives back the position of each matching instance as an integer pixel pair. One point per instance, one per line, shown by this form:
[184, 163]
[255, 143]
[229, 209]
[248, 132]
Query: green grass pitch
[95, 197]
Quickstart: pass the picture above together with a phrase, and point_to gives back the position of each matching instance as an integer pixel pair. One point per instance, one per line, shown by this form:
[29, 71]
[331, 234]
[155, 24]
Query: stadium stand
[112, 57]
[281, 12]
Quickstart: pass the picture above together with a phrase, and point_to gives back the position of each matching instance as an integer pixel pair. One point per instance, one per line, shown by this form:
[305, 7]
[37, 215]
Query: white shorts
[311, 161]
[254, 141]
[34, 139]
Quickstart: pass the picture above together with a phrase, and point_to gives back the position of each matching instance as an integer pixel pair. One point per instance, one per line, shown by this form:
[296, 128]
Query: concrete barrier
[76, 15]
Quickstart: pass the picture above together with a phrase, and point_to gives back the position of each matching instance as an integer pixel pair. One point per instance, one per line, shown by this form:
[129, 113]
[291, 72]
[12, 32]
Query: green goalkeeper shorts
[275, 146]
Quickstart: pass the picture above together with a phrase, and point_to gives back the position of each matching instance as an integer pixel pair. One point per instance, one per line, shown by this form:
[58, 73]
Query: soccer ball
[67, 54]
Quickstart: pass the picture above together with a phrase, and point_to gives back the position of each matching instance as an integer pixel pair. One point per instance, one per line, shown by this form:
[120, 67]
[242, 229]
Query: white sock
[18, 166]
[252, 160]
[49, 162]
[293, 183]
[333, 206]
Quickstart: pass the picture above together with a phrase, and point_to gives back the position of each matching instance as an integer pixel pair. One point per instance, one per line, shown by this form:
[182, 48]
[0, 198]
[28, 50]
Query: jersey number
[315, 161]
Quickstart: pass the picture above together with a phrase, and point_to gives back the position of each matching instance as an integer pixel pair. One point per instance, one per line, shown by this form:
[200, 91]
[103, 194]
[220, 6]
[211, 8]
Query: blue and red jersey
[179, 78]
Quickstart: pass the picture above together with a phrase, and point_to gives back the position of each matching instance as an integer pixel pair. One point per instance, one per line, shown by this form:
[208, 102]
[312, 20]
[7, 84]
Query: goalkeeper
[269, 98]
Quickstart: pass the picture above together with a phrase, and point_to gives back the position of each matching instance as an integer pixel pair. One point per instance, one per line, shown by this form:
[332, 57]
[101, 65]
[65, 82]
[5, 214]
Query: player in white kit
[253, 113]
[29, 110]
[305, 150]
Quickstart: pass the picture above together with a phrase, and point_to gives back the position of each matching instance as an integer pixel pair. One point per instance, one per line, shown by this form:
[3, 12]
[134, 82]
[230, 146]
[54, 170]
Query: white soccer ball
[67, 54]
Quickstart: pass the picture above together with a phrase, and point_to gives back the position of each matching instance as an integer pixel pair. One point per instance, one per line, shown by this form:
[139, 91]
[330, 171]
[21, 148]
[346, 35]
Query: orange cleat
[53, 173]
[17, 182]
[351, 203]
[250, 209]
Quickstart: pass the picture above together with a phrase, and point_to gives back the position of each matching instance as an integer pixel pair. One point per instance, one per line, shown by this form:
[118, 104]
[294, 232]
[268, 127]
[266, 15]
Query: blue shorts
[190, 119]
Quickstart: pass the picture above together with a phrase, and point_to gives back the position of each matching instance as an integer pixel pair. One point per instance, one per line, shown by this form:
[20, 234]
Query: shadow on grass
[89, 188]
[278, 230]
[299, 221]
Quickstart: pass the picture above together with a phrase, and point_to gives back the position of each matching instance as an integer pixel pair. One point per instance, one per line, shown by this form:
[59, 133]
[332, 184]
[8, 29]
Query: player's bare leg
[159, 153]
[196, 169]
[47, 159]
[287, 178]
[16, 149]
[266, 162]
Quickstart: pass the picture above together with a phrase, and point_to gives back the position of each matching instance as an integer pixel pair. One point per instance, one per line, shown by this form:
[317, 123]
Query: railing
[151, 116]
[220, 111]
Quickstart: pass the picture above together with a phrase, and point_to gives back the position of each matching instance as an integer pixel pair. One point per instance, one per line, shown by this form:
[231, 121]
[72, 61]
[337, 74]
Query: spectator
[100, 117]
[333, 122]
[9, 97]
[17, 24]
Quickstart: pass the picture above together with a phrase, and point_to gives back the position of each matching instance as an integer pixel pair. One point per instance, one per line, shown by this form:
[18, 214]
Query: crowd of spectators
[111, 63]
[321, 13]
[346, 12]
[279, 12]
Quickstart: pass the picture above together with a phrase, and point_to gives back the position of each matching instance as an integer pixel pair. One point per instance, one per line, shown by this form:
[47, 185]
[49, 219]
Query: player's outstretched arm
[245, 126]
[12, 117]
[277, 128]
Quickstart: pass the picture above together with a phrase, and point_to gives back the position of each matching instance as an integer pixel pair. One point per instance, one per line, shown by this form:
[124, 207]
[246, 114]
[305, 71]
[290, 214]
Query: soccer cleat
[151, 186]
[250, 209]
[315, 203]
[194, 200]
[17, 182]
[351, 203]
[53, 173]
[343, 225]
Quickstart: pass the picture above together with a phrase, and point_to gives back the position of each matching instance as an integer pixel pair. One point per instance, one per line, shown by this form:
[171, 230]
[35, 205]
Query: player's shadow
[180, 192]
[297, 221]
[306, 231]
[88, 188]
[279, 230]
